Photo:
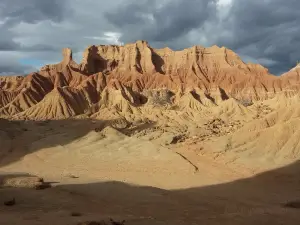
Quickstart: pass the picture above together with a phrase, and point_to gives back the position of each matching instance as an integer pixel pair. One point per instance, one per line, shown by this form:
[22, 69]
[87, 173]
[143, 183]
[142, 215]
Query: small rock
[116, 222]
[92, 223]
[176, 139]
[76, 214]
[73, 176]
[10, 202]
[26, 182]
[294, 205]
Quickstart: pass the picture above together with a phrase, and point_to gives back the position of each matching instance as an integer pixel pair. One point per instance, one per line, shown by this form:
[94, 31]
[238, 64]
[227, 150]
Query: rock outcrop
[136, 75]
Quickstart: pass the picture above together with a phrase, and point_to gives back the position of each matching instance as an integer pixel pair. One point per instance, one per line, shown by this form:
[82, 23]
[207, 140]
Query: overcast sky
[33, 32]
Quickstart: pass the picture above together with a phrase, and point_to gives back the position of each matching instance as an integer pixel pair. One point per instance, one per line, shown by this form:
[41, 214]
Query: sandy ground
[108, 174]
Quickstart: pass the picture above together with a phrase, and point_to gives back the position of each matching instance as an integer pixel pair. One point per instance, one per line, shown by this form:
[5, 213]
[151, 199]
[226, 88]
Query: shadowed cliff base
[262, 199]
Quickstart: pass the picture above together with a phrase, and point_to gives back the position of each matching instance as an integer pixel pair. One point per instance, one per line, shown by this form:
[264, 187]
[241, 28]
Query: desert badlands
[150, 136]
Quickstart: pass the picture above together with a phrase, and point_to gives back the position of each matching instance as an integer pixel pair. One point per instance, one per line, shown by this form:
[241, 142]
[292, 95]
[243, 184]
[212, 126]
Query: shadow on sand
[268, 198]
[19, 138]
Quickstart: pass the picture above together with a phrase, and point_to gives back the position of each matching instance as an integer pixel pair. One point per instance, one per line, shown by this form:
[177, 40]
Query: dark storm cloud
[14, 12]
[32, 11]
[263, 31]
[6, 38]
[8, 45]
[266, 29]
[161, 21]
[132, 13]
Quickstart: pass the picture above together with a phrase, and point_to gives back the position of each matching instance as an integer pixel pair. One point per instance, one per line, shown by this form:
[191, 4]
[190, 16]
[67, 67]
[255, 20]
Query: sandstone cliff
[196, 78]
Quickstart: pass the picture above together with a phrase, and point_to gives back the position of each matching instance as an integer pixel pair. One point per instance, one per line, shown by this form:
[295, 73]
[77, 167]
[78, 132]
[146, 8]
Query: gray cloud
[33, 11]
[157, 22]
[9, 64]
[14, 13]
[15, 69]
[263, 31]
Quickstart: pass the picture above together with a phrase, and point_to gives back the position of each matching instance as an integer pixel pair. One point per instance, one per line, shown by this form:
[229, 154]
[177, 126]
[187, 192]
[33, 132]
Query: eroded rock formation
[136, 75]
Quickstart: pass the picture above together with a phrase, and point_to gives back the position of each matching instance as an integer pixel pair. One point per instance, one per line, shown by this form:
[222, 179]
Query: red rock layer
[67, 89]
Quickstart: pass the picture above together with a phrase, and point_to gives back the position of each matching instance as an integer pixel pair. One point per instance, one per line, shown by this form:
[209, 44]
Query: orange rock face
[136, 70]
[142, 67]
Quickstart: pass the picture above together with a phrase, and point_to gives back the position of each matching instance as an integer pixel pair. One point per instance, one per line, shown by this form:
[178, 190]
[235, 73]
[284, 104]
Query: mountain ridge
[214, 73]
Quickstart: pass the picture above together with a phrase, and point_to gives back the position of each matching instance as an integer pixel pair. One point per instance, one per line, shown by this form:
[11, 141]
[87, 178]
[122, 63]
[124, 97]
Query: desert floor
[108, 174]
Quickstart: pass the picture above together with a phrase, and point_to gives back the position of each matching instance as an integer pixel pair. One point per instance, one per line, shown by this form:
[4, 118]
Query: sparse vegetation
[245, 102]
[177, 139]
[160, 98]
[262, 110]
